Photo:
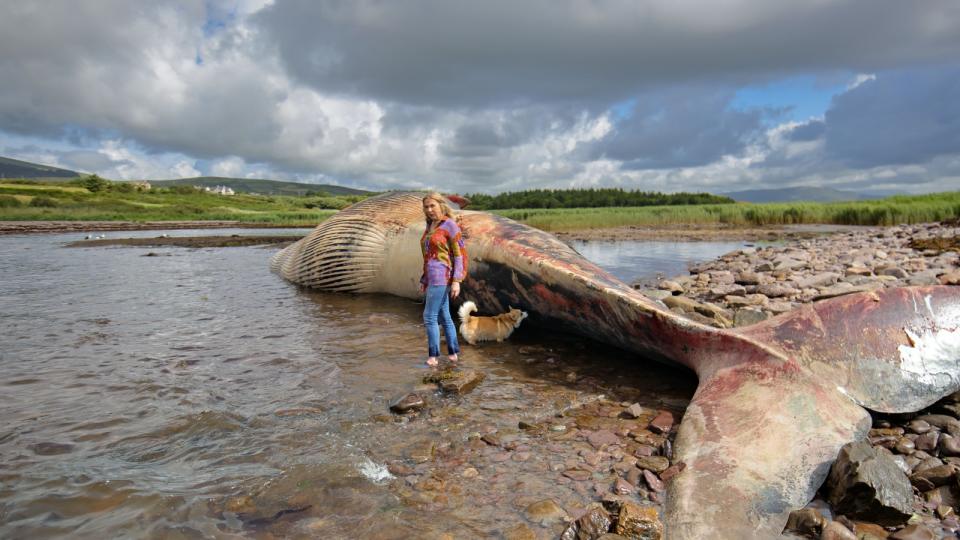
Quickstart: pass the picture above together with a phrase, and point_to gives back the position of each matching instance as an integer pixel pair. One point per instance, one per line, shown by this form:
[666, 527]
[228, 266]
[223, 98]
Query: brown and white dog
[496, 328]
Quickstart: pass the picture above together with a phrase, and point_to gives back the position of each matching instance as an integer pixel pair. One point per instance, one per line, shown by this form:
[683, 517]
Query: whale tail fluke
[798, 398]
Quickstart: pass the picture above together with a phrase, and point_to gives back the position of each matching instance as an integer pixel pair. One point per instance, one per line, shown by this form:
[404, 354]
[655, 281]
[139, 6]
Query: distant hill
[814, 194]
[260, 186]
[14, 168]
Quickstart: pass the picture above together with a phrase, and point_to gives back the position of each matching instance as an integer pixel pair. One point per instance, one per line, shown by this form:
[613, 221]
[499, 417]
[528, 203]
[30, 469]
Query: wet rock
[928, 479]
[462, 381]
[545, 512]
[529, 426]
[913, 532]
[408, 403]
[949, 445]
[942, 422]
[869, 531]
[240, 505]
[644, 450]
[927, 441]
[491, 438]
[633, 411]
[950, 278]
[866, 483]
[51, 448]
[806, 521]
[421, 452]
[834, 530]
[639, 522]
[747, 316]
[653, 481]
[594, 523]
[818, 280]
[602, 438]
[657, 464]
[519, 532]
[662, 423]
[905, 446]
[398, 468]
[774, 290]
[929, 463]
[622, 487]
[672, 471]
[671, 286]
[942, 495]
[579, 475]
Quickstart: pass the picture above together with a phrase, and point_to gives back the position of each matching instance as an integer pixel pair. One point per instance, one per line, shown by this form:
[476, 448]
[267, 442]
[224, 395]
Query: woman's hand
[423, 287]
[455, 289]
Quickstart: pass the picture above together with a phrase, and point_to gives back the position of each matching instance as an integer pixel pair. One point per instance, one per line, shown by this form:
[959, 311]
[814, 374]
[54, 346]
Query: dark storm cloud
[809, 131]
[680, 128]
[901, 117]
[499, 51]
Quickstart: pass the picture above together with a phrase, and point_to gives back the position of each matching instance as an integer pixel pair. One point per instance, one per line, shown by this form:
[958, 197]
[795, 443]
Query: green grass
[114, 202]
[66, 202]
[890, 211]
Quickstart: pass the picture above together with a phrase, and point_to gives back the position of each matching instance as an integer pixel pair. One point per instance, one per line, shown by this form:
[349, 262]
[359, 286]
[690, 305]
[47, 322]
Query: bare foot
[453, 358]
[432, 361]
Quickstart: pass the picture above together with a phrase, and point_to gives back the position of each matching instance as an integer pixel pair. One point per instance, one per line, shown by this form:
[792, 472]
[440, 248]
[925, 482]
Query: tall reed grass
[890, 211]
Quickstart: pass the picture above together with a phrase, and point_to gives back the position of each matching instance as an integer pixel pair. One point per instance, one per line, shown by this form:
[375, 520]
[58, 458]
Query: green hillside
[260, 186]
[14, 168]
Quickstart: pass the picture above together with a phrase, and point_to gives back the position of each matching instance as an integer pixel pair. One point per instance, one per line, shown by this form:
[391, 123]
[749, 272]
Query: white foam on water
[374, 471]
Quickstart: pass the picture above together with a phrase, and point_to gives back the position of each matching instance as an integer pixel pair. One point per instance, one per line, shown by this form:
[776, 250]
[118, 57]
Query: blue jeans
[437, 304]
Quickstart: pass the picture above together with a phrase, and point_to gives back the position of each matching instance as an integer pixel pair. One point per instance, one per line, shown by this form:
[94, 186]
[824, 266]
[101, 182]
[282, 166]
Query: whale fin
[891, 350]
[757, 443]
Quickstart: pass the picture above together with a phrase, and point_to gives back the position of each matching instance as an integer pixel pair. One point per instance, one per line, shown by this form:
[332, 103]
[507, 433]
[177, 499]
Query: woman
[444, 267]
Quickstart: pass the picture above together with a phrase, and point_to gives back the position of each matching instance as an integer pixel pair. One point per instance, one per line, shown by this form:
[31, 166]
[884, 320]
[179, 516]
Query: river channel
[191, 393]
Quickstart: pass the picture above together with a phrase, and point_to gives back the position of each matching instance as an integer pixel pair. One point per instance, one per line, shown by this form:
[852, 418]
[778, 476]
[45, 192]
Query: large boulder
[866, 483]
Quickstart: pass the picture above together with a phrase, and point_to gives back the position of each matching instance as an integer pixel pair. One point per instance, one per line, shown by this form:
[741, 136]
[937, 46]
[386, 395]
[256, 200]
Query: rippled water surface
[194, 394]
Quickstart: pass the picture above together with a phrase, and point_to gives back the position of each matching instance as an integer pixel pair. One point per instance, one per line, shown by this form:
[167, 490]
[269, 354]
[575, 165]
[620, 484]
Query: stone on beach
[866, 483]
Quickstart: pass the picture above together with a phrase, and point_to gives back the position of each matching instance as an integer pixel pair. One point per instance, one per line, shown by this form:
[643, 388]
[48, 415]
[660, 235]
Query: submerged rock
[408, 403]
[594, 523]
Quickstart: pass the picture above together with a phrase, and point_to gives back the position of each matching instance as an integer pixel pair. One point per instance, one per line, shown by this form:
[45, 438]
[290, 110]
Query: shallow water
[196, 395]
[632, 260]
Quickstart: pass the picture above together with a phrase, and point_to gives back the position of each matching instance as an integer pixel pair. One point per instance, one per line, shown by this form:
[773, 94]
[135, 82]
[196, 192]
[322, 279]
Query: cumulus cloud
[485, 96]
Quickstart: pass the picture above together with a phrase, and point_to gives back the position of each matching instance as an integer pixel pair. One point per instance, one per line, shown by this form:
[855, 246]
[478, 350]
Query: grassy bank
[113, 201]
[69, 202]
[900, 209]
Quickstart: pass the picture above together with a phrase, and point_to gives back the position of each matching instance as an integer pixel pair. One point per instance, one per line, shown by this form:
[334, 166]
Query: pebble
[778, 278]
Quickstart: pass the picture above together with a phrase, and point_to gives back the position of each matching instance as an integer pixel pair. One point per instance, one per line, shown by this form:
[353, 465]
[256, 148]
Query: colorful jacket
[444, 255]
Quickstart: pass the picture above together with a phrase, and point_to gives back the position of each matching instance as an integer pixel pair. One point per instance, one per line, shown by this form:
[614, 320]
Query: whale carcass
[775, 400]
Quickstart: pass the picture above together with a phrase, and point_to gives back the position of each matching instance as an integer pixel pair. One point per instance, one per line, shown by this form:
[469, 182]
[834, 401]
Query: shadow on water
[197, 395]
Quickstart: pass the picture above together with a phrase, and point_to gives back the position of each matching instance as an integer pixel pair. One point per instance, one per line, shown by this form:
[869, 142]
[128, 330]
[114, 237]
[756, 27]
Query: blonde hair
[442, 201]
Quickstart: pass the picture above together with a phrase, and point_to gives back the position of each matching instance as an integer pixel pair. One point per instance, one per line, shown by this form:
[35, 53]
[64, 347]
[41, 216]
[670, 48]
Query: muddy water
[196, 395]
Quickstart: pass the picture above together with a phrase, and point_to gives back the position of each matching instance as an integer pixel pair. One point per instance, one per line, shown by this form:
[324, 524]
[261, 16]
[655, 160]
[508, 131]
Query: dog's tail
[466, 309]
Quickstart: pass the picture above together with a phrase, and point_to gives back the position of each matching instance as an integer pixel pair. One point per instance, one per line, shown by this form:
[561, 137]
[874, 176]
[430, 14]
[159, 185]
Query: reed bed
[890, 211]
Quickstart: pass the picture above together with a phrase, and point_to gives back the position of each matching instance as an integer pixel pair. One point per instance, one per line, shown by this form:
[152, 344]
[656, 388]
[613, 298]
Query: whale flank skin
[775, 400]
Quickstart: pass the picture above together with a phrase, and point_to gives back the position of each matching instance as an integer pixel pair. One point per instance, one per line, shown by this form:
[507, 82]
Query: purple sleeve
[457, 251]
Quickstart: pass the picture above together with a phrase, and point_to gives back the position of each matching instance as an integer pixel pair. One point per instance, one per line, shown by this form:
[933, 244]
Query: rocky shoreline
[902, 483]
[755, 283]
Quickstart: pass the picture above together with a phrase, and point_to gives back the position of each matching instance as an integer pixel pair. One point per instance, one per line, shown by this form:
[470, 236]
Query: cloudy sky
[490, 96]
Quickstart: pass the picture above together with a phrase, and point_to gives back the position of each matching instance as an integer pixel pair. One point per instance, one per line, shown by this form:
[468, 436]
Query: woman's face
[432, 209]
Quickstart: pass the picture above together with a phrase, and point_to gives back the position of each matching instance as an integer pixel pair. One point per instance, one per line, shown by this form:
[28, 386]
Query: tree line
[588, 198]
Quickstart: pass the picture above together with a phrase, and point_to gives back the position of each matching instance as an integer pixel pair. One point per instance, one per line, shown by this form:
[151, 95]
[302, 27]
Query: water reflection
[634, 260]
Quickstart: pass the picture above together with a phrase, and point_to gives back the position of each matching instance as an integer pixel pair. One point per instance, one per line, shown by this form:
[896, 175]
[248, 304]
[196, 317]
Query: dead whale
[775, 401]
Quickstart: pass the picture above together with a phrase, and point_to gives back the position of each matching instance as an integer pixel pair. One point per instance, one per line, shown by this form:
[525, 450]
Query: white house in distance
[219, 190]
